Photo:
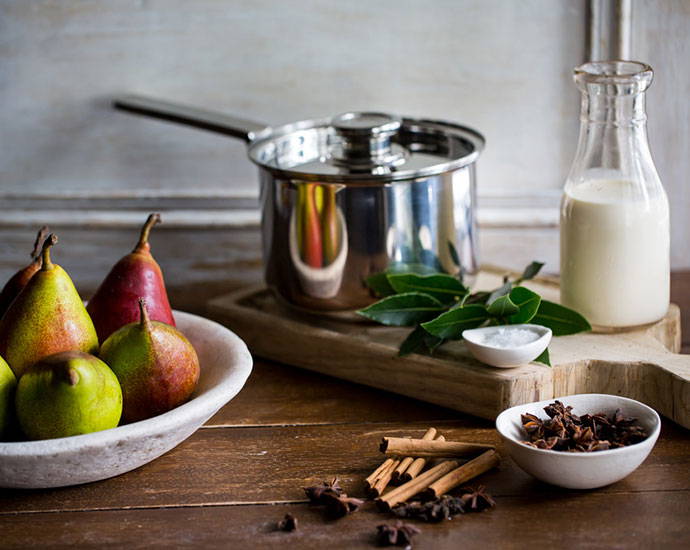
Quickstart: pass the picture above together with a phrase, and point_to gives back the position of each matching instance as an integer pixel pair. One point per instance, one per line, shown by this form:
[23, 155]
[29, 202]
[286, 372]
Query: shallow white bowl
[579, 470]
[506, 357]
[225, 366]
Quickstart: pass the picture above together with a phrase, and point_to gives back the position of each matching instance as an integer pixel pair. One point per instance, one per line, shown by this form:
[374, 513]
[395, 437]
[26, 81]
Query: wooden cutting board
[642, 364]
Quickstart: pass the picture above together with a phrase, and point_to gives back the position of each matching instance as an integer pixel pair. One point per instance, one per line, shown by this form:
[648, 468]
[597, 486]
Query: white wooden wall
[501, 66]
[661, 37]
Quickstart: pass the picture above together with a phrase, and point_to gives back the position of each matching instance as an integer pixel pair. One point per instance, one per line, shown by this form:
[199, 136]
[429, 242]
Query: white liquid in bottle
[615, 253]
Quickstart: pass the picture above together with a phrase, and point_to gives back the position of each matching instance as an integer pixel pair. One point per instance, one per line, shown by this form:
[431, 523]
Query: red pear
[136, 275]
[156, 365]
[18, 281]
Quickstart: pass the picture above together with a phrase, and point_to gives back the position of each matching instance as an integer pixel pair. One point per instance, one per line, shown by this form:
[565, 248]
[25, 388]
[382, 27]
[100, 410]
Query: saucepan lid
[366, 147]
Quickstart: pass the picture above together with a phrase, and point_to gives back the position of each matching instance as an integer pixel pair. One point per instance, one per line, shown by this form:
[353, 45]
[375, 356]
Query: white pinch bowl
[225, 366]
[506, 357]
[579, 470]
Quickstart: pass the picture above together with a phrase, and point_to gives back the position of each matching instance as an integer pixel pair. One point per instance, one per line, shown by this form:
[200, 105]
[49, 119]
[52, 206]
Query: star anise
[399, 534]
[477, 500]
[433, 511]
[533, 425]
[288, 523]
[339, 506]
[331, 495]
[564, 431]
[559, 409]
[316, 493]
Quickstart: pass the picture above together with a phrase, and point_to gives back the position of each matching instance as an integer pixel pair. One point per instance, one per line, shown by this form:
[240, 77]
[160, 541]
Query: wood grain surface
[232, 481]
[652, 520]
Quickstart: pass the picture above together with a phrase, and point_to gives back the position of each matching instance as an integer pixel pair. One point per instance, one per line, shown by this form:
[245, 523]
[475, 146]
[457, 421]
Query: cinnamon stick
[416, 466]
[418, 484]
[400, 446]
[383, 481]
[462, 474]
[406, 462]
[370, 481]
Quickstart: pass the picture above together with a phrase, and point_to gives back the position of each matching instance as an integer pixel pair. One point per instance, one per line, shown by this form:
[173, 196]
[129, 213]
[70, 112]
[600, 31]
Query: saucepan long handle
[190, 116]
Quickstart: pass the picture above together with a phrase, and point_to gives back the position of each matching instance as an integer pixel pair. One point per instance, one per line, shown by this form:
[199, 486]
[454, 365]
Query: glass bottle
[615, 257]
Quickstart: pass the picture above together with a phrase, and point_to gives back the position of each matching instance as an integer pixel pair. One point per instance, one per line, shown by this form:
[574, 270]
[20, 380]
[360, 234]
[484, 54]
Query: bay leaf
[453, 252]
[380, 285]
[531, 271]
[419, 341]
[443, 287]
[544, 358]
[560, 319]
[504, 289]
[450, 325]
[527, 303]
[502, 307]
[403, 310]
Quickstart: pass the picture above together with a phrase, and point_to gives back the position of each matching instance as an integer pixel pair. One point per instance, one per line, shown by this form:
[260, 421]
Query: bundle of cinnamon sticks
[457, 463]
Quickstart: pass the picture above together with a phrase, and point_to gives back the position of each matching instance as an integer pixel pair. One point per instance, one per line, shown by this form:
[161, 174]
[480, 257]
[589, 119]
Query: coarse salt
[508, 337]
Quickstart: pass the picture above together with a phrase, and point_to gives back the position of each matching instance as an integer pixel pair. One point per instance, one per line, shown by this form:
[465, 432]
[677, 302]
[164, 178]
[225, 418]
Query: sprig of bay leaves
[440, 307]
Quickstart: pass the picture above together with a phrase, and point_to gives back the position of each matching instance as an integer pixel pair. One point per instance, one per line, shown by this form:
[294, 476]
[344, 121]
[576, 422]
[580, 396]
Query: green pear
[47, 317]
[68, 393]
[8, 383]
[156, 365]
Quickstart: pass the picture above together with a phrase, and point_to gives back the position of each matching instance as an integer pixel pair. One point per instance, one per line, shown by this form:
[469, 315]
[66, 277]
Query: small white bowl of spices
[600, 438]
[507, 346]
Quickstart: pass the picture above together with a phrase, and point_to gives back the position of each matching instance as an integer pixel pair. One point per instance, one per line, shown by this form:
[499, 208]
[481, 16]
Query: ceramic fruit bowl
[579, 470]
[225, 366]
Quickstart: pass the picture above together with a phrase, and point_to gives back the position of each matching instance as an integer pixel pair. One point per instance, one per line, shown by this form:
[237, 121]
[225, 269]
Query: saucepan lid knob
[364, 138]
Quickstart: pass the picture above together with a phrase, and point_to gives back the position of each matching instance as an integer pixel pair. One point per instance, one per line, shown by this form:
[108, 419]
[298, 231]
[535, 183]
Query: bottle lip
[615, 71]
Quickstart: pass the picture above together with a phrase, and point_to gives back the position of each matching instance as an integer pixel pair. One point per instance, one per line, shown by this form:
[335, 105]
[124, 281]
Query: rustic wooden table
[233, 480]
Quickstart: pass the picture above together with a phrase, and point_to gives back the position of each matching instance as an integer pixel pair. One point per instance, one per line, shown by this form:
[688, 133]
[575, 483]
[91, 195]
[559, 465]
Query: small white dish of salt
[507, 346]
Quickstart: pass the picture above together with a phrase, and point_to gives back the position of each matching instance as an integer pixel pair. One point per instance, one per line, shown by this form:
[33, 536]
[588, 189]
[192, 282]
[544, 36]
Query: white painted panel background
[661, 37]
[502, 66]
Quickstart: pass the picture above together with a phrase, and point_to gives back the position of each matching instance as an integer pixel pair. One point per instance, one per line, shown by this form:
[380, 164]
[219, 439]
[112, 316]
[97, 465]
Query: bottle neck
[613, 110]
[613, 139]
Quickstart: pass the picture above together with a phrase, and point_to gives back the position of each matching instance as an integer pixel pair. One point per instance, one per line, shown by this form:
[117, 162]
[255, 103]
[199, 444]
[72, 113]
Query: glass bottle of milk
[614, 211]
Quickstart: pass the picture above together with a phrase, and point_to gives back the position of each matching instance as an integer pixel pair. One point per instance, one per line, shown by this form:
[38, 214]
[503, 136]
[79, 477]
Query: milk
[615, 252]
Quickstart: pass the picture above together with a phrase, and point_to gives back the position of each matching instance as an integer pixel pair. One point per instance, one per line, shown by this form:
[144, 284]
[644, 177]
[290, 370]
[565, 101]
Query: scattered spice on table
[331, 495]
[431, 486]
[399, 534]
[477, 500]
[564, 431]
[337, 507]
[288, 523]
[446, 506]
[433, 511]
[315, 493]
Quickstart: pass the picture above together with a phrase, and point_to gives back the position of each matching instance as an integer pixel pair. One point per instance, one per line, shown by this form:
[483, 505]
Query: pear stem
[38, 243]
[45, 251]
[72, 377]
[152, 220]
[144, 320]
[66, 374]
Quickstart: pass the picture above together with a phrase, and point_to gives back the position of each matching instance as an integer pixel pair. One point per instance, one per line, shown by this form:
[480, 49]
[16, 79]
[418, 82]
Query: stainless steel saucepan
[351, 196]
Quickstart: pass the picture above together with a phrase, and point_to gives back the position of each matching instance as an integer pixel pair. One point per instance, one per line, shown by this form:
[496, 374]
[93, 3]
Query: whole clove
[565, 431]
[399, 534]
[288, 523]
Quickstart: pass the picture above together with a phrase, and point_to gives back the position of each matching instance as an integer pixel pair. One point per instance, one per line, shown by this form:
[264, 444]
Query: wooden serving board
[642, 364]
